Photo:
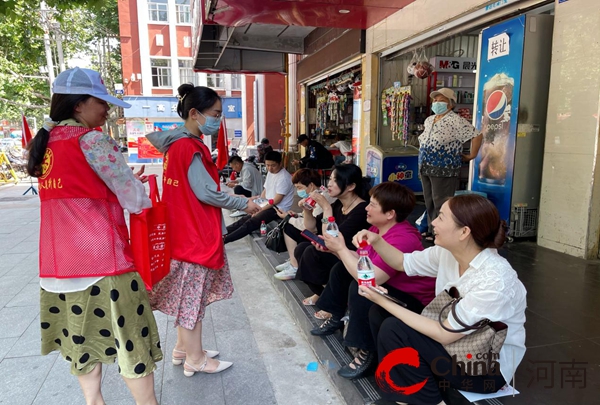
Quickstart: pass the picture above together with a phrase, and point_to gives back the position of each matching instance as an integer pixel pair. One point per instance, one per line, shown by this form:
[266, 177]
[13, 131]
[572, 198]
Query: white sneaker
[287, 274]
[236, 214]
[283, 266]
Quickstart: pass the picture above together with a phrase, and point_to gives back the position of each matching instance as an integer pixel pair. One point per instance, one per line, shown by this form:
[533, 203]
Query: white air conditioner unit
[159, 40]
[187, 42]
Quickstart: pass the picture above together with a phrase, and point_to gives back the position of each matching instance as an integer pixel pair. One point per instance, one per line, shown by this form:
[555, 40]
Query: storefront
[498, 65]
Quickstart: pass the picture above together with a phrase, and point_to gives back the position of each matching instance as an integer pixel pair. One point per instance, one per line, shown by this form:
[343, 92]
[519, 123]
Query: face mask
[439, 107]
[302, 193]
[210, 126]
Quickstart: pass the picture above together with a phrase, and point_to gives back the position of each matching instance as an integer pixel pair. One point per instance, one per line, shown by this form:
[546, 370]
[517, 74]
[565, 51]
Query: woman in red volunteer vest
[93, 304]
[199, 272]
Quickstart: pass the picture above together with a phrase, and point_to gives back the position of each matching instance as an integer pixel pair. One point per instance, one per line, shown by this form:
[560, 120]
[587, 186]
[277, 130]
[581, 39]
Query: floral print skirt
[188, 289]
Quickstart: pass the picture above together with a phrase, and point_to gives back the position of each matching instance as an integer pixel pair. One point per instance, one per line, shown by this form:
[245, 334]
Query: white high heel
[223, 365]
[177, 361]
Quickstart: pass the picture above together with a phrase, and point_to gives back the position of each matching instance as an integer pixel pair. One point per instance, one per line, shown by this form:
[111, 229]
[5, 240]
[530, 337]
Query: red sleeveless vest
[83, 231]
[195, 227]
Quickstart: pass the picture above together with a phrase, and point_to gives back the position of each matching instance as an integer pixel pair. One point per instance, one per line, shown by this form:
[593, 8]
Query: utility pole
[59, 49]
[46, 26]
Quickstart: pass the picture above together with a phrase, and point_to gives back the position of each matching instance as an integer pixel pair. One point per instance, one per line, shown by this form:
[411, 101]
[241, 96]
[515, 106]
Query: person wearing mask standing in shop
[441, 147]
[317, 156]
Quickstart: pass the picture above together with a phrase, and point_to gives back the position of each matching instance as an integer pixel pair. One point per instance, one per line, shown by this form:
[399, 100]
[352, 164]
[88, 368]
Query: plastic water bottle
[365, 273]
[309, 203]
[332, 227]
[260, 202]
[263, 229]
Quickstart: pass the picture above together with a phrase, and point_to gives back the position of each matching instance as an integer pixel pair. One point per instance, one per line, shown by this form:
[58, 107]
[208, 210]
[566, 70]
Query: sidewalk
[254, 330]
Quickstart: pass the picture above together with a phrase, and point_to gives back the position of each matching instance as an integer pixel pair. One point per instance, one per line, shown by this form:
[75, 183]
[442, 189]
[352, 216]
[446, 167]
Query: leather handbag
[150, 240]
[275, 239]
[478, 350]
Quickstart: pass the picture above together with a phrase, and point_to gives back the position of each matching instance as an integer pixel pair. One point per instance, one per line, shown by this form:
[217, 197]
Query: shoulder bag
[275, 239]
[483, 345]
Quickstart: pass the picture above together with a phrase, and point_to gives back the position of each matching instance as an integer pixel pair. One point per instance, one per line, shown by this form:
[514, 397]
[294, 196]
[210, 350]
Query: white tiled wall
[570, 200]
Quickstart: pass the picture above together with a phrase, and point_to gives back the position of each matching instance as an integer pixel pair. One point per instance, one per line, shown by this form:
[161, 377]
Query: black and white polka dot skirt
[111, 319]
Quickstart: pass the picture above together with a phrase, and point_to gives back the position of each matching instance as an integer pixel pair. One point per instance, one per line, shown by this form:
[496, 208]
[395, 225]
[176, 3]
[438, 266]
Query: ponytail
[37, 149]
[500, 237]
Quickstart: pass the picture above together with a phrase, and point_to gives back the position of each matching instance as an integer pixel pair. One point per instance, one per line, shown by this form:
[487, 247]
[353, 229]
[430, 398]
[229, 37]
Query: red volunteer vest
[196, 234]
[83, 231]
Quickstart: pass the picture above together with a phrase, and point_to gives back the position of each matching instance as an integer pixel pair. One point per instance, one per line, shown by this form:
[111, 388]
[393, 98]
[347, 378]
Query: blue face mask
[439, 107]
[302, 193]
[211, 125]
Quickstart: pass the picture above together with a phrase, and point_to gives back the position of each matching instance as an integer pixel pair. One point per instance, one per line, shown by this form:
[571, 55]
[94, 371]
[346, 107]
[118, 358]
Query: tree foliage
[83, 25]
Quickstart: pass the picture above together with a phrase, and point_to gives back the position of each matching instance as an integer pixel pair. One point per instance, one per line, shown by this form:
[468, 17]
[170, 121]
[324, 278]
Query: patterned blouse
[441, 145]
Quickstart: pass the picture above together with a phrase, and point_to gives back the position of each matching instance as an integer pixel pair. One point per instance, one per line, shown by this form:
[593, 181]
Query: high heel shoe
[223, 365]
[178, 360]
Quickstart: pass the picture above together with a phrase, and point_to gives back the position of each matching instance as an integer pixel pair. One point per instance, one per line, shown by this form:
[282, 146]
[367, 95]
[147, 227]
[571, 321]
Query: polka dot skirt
[111, 319]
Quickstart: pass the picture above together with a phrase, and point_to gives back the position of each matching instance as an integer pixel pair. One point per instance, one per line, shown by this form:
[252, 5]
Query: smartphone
[389, 297]
[313, 238]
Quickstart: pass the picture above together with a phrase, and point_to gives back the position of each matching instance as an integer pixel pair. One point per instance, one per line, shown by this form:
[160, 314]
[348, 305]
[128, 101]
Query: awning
[253, 36]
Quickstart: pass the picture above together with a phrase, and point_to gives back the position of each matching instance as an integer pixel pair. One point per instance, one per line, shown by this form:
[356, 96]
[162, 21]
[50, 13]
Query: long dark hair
[62, 108]
[481, 216]
[348, 174]
[199, 97]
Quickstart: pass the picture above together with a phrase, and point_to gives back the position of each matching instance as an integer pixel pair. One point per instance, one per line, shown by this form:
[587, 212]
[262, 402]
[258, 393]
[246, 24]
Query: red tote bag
[150, 239]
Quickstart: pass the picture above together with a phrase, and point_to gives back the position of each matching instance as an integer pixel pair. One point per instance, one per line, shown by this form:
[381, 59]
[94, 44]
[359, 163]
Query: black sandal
[365, 358]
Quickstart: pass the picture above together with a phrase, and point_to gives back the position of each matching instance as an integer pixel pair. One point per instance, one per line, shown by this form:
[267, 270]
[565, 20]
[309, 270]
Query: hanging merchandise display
[423, 69]
[395, 105]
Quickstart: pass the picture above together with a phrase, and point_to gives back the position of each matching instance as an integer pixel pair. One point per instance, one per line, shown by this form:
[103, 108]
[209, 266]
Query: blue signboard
[497, 111]
[403, 170]
[232, 107]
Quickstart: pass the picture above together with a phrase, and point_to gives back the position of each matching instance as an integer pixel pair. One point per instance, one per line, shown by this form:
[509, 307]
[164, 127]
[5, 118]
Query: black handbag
[275, 239]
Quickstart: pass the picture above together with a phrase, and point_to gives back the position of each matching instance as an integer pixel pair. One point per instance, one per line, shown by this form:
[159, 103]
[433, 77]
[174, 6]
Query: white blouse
[490, 289]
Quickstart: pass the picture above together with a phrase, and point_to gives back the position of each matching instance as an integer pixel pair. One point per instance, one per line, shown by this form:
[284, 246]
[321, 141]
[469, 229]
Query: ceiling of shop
[254, 35]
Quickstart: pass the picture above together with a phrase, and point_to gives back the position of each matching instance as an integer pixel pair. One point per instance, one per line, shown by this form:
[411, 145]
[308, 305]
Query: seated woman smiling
[389, 206]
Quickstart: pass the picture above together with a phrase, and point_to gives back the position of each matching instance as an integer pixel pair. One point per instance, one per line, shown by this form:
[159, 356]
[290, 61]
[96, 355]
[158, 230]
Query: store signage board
[498, 46]
[457, 65]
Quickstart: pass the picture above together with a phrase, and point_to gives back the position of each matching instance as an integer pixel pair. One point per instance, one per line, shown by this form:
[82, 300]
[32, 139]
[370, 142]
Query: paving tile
[242, 388]
[200, 388]
[28, 344]
[5, 345]
[14, 321]
[21, 378]
[8, 261]
[239, 347]
[28, 296]
[542, 331]
[25, 246]
[60, 386]
[5, 299]
[12, 284]
[229, 315]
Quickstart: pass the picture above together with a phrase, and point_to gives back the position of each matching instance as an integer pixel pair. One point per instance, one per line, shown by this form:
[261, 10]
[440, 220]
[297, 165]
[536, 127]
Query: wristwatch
[324, 220]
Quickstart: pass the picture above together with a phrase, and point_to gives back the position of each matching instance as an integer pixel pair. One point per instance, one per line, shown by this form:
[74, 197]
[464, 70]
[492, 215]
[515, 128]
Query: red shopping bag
[150, 239]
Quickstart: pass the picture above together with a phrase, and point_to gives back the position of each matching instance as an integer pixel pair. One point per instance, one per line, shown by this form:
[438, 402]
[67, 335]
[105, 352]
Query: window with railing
[158, 11]
[161, 72]
[236, 82]
[215, 80]
[183, 11]
[187, 74]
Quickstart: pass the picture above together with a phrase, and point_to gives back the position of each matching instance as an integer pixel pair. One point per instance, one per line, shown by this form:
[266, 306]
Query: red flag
[223, 155]
[25, 133]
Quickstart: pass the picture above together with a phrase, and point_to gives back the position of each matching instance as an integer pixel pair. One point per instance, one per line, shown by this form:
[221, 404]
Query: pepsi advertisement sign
[497, 112]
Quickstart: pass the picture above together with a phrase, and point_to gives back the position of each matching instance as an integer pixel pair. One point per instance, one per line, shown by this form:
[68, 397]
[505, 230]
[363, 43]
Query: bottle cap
[363, 244]
[271, 201]
[331, 219]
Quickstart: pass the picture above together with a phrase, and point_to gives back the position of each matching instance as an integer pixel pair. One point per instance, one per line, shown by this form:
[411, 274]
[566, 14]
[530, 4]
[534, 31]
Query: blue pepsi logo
[496, 105]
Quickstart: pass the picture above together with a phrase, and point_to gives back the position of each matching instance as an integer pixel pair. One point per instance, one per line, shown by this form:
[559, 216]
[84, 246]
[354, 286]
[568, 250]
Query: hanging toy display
[395, 106]
[423, 69]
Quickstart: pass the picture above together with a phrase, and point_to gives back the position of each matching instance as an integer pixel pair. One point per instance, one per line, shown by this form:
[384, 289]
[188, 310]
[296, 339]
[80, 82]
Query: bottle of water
[309, 203]
[260, 202]
[365, 272]
[263, 229]
[332, 227]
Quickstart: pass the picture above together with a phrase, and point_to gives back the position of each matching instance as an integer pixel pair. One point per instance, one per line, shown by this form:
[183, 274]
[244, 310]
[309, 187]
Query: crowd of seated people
[468, 233]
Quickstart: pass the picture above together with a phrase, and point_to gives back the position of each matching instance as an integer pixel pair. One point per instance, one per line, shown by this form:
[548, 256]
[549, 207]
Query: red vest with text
[195, 227]
[83, 231]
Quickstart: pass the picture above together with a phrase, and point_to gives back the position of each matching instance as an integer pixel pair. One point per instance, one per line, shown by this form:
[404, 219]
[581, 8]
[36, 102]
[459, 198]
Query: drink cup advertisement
[497, 111]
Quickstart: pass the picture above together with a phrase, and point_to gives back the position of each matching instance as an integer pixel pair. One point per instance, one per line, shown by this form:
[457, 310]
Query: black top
[262, 151]
[350, 224]
[317, 157]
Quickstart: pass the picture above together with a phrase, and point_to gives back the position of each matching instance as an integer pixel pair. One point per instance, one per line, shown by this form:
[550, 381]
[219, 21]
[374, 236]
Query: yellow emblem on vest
[47, 163]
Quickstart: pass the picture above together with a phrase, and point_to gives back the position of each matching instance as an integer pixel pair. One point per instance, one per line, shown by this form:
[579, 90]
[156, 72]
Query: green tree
[83, 25]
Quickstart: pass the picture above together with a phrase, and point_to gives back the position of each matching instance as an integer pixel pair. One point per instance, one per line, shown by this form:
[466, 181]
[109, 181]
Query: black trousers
[341, 292]
[294, 233]
[249, 224]
[239, 190]
[435, 364]
[436, 190]
[313, 266]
